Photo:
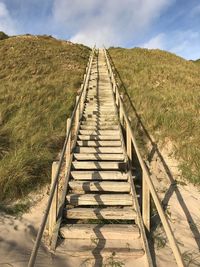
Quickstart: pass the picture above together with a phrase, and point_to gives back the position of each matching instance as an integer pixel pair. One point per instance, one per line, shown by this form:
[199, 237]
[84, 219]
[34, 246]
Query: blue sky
[172, 25]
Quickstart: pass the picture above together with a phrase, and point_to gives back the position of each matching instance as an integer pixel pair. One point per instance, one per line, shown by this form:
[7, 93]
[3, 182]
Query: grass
[39, 79]
[3, 35]
[166, 92]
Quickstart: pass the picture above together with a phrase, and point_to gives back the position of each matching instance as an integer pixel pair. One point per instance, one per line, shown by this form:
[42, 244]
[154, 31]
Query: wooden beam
[54, 204]
[145, 204]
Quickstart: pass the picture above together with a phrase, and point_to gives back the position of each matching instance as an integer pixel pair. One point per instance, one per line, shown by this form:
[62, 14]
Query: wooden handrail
[62, 156]
[147, 181]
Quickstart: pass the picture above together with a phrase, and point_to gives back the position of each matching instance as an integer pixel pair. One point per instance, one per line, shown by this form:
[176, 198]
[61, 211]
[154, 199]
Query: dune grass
[166, 92]
[39, 78]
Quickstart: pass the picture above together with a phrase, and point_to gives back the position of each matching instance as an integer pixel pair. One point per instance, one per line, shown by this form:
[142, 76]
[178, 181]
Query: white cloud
[195, 11]
[182, 43]
[156, 42]
[111, 22]
[7, 25]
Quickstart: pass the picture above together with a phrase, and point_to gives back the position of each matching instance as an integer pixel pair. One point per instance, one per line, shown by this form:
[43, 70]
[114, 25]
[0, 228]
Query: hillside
[166, 92]
[39, 78]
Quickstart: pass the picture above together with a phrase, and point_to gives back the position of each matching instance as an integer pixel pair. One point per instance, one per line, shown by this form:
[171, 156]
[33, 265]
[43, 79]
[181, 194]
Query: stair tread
[99, 165]
[99, 175]
[99, 132]
[101, 143]
[99, 231]
[85, 248]
[111, 213]
[98, 186]
[100, 199]
[98, 137]
[98, 156]
[110, 150]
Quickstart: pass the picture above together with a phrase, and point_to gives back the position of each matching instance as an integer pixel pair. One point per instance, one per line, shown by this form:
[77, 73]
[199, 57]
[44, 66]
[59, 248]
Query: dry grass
[39, 78]
[166, 92]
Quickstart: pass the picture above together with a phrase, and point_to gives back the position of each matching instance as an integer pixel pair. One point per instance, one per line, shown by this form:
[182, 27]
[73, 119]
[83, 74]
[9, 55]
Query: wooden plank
[97, 186]
[115, 150]
[99, 175]
[54, 204]
[94, 249]
[96, 127]
[96, 231]
[96, 143]
[99, 165]
[100, 123]
[98, 156]
[100, 199]
[99, 137]
[111, 213]
[99, 132]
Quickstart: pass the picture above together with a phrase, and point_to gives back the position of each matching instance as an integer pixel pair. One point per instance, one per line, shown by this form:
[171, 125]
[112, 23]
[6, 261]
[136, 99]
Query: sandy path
[17, 235]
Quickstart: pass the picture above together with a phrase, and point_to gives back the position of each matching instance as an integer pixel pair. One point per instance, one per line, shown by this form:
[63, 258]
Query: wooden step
[100, 199]
[97, 186]
[99, 132]
[115, 150]
[101, 120]
[98, 156]
[93, 127]
[94, 249]
[101, 113]
[111, 213]
[96, 231]
[99, 165]
[99, 137]
[99, 175]
[99, 123]
[99, 143]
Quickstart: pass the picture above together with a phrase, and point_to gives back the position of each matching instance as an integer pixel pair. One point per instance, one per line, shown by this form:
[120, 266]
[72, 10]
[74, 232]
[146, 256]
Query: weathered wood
[54, 205]
[111, 213]
[99, 175]
[99, 165]
[97, 143]
[94, 249]
[99, 132]
[97, 127]
[98, 156]
[77, 115]
[145, 204]
[128, 144]
[93, 231]
[100, 199]
[115, 150]
[99, 137]
[68, 147]
[96, 186]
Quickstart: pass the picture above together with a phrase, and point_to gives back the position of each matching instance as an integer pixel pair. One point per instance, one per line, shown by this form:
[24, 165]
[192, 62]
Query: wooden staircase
[100, 220]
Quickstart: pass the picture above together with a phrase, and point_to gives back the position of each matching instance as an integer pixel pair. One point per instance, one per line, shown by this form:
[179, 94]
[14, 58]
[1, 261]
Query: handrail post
[68, 147]
[77, 114]
[54, 204]
[82, 100]
[128, 143]
[145, 203]
[121, 116]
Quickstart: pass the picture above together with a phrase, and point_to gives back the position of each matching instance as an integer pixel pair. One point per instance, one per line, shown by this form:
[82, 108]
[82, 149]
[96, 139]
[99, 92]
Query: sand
[17, 234]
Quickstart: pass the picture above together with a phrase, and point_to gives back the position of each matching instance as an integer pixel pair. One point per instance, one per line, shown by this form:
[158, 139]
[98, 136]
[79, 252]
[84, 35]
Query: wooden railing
[54, 208]
[148, 188]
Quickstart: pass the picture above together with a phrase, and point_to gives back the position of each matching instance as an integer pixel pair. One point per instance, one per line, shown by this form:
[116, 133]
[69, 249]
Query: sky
[172, 25]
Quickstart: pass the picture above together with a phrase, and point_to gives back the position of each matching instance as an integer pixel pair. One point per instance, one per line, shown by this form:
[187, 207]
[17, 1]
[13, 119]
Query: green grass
[39, 79]
[166, 92]
[3, 35]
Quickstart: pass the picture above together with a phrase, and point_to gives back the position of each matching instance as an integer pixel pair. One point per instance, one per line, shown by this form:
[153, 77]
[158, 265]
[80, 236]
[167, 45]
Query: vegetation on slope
[166, 92]
[3, 35]
[39, 78]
